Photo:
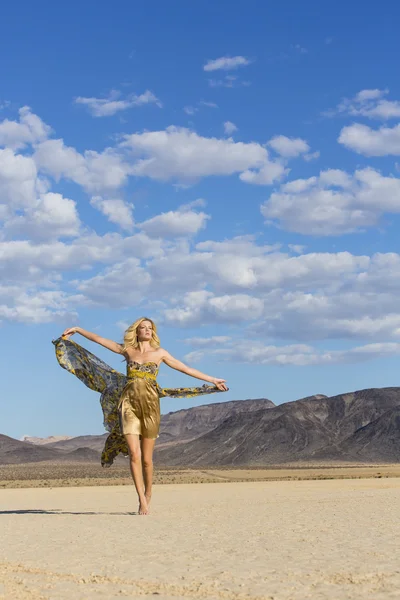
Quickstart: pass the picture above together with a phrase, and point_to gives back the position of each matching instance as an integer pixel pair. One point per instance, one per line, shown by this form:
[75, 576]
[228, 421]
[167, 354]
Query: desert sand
[336, 539]
[47, 474]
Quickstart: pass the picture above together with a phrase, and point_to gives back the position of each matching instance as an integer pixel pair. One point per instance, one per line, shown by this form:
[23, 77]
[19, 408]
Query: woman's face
[145, 331]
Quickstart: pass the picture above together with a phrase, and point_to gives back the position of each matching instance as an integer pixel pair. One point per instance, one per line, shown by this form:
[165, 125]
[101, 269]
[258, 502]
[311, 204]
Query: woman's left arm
[174, 363]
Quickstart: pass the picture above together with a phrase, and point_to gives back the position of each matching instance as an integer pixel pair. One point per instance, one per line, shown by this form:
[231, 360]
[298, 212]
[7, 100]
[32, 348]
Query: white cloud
[204, 307]
[94, 171]
[173, 154]
[4, 212]
[297, 248]
[190, 110]
[233, 281]
[35, 306]
[371, 142]
[347, 309]
[370, 103]
[383, 275]
[275, 170]
[175, 224]
[270, 172]
[50, 217]
[28, 208]
[198, 203]
[18, 179]
[233, 269]
[29, 130]
[238, 246]
[106, 107]
[226, 63]
[229, 127]
[333, 203]
[248, 283]
[311, 156]
[367, 95]
[288, 147]
[201, 342]
[344, 311]
[236, 269]
[241, 284]
[116, 210]
[297, 354]
[181, 154]
[229, 81]
[122, 286]
[194, 357]
[29, 270]
[299, 185]
[43, 263]
[208, 104]
[288, 297]
[122, 325]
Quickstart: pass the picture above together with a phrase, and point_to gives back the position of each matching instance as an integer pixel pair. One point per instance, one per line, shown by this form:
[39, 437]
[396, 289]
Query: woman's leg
[147, 446]
[135, 456]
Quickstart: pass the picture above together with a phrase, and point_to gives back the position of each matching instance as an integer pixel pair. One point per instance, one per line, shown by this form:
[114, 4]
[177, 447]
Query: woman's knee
[135, 452]
[147, 462]
[135, 455]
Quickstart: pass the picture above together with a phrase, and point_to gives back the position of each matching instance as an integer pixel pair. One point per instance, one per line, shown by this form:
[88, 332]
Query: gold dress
[130, 403]
[139, 404]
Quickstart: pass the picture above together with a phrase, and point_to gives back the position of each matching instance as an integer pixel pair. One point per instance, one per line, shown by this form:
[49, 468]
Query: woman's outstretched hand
[221, 384]
[70, 331]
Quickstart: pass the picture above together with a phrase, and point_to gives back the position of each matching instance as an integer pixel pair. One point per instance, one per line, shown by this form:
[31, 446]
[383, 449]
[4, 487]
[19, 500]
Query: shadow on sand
[57, 511]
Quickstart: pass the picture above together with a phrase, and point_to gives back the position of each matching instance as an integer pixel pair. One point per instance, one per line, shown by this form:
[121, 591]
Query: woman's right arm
[93, 337]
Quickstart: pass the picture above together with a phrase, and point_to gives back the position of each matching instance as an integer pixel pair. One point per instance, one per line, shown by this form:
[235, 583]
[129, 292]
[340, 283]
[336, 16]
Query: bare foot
[148, 499]
[143, 507]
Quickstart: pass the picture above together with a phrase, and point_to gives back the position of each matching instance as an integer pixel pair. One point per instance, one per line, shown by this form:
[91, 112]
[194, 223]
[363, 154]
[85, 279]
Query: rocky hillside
[358, 426]
[361, 426]
[94, 442]
[39, 441]
[16, 452]
[193, 422]
[175, 426]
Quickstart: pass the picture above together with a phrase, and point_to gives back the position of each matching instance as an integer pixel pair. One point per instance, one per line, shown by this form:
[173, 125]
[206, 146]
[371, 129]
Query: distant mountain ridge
[43, 441]
[94, 442]
[184, 424]
[175, 426]
[358, 426]
[16, 452]
[362, 426]
[190, 423]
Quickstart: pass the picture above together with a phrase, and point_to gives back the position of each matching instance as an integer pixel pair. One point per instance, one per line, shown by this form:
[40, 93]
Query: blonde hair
[131, 339]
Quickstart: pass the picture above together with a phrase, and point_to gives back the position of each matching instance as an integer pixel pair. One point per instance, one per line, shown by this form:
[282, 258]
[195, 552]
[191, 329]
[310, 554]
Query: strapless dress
[139, 404]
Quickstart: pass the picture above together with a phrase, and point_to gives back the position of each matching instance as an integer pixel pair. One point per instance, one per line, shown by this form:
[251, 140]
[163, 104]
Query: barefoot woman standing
[131, 403]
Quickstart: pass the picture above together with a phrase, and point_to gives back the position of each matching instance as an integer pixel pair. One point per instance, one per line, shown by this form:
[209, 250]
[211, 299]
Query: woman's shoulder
[159, 354]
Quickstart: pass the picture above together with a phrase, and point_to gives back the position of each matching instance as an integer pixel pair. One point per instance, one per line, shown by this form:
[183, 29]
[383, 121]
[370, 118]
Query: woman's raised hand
[70, 331]
[221, 384]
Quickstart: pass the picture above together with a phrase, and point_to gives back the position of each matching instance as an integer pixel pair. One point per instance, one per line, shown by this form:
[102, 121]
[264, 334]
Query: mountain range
[362, 426]
[178, 426]
[43, 441]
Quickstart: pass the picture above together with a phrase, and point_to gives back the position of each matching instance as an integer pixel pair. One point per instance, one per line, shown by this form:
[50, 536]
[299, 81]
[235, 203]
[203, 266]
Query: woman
[131, 404]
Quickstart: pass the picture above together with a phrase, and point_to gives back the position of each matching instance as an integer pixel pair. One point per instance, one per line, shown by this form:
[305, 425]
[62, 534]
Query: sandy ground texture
[280, 540]
[47, 474]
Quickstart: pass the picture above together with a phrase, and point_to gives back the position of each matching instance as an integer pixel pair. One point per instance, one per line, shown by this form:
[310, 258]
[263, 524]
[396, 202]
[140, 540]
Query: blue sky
[229, 169]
